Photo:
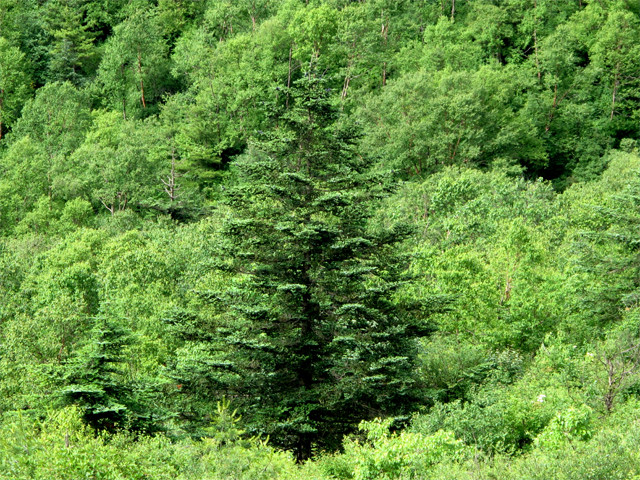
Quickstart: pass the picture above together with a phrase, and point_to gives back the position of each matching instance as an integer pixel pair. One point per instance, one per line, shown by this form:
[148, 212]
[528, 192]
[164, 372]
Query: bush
[385, 455]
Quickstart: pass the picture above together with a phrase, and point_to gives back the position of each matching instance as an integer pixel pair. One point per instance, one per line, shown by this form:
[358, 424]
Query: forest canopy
[326, 239]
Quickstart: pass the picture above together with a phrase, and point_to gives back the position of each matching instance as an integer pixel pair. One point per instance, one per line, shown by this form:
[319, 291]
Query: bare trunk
[506, 295]
[50, 186]
[616, 85]
[170, 185]
[610, 395]
[1, 110]
[385, 37]
[144, 104]
[289, 75]
[535, 37]
[110, 208]
[535, 46]
[124, 102]
[453, 9]
[345, 87]
[455, 148]
[122, 201]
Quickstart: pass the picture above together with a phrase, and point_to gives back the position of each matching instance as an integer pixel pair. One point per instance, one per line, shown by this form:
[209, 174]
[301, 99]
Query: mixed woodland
[319, 239]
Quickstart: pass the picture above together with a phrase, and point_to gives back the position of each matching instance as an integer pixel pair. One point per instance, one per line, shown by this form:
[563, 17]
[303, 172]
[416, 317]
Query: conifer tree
[314, 332]
[95, 381]
[72, 43]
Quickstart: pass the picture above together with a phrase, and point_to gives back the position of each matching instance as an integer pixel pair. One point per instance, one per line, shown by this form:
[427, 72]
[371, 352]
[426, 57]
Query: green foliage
[72, 48]
[97, 385]
[427, 120]
[481, 249]
[35, 164]
[602, 269]
[115, 168]
[387, 456]
[63, 447]
[134, 68]
[324, 212]
[308, 316]
[574, 424]
[15, 86]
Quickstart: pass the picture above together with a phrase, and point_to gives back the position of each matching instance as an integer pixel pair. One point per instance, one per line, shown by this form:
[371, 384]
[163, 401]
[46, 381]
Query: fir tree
[311, 323]
[95, 381]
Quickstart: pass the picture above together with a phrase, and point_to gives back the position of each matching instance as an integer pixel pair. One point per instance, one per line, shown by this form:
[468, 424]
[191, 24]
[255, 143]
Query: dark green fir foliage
[71, 48]
[310, 321]
[605, 251]
[95, 381]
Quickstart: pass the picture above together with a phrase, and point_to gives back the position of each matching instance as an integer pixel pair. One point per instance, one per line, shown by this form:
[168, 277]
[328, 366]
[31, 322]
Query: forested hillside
[319, 239]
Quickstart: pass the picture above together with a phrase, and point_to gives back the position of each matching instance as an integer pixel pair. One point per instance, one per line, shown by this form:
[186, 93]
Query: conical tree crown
[310, 321]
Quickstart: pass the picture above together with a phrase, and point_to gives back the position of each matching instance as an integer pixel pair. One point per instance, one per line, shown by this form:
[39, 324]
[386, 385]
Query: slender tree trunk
[616, 85]
[453, 10]
[50, 186]
[345, 87]
[110, 208]
[123, 200]
[144, 104]
[535, 37]
[304, 448]
[170, 186]
[455, 148]
[535, 46]
[289, 75]
[345, 84]
[124, 102]
[1, 111]
[385, 35]
[253, 16]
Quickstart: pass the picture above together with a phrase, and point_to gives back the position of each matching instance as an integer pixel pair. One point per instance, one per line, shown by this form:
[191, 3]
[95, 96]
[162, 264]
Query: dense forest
[319, 239]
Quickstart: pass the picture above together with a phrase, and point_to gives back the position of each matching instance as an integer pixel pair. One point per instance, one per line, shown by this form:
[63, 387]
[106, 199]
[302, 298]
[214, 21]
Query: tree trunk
[616, 85]
[110, 208]
[170, 186]
[345, 88]
[535, 37]
[124, 101]
[1, 111]
[289, 75]
[385, 37]
[144, 104]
